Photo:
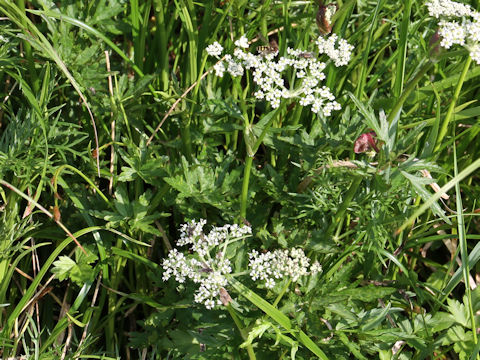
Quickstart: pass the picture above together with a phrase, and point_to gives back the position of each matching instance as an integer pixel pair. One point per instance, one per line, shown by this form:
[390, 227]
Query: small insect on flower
[225, 297]
[265, 50]
[305, 55]
[246, 222]
[190, 230]
[206, 269]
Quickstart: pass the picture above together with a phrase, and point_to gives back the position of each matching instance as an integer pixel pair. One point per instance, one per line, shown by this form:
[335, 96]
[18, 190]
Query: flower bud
[366, 142]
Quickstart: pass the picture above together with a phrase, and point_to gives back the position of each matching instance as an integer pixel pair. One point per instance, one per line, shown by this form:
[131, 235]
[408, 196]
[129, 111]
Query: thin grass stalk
[186, 10]
[278, 317]
[161, 37]
[366, 51]
[45, 211]
[97, 34]
[402, 49]
[464, 247]
[139, 29]
[410, 87]
[187, 15]
[35, 81]
[102, 252]
[453, 101]
[7, 330]
[461, 175]
[64, 322]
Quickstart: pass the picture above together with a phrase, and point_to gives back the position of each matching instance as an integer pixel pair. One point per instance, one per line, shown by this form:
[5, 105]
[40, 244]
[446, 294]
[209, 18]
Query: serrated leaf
[127, 174]
[122, 202]
[62, 267]
[440, 321]
[65, 268]
[456, 334]
[459, 312]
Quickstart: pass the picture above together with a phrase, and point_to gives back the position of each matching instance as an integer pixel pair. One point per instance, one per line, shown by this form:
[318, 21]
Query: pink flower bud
[366, 142]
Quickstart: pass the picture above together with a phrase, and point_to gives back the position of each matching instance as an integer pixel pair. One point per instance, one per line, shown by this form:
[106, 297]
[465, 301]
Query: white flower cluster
[459, 24]
[268, 73]
[214, 49]
[442, 8]
[340, 52]
[201, 267]
[276, 265]
[192, 234]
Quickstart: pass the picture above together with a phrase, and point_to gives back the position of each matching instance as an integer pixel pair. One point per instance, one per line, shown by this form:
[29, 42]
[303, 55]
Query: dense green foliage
[100, 165]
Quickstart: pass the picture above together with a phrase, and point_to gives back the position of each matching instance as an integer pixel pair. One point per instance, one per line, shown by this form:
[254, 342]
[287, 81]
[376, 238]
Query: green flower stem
[246, 179]
[398, 106]
[252, 144]
[186, 140]
[243, 333]
[453, 102]
[284, 290]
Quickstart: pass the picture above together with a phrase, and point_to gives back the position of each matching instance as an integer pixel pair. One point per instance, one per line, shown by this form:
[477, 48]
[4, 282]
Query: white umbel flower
[273, 85]
[475, 53]
[205, 265]
[219, 69]
[448, 8]
[280, 264]
[459, 25]
[242, 42]
[214, 49]
[451, 33]
[339, 51]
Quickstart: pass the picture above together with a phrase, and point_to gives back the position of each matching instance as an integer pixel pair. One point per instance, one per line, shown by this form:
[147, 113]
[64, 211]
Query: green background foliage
[398, 262]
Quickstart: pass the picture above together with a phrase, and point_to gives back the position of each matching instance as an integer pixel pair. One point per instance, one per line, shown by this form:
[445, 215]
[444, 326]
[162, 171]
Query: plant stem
[238, 323]
[280, 295]
[246, 179]
[461, 234]
[453, 102]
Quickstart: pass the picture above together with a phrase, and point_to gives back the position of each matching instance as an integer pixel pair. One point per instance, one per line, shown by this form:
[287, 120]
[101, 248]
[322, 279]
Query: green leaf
[78, 272]
[459, 312]
[63, 266]
[278, 316]
[122, 202]
[418, 184]
[441, 321]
